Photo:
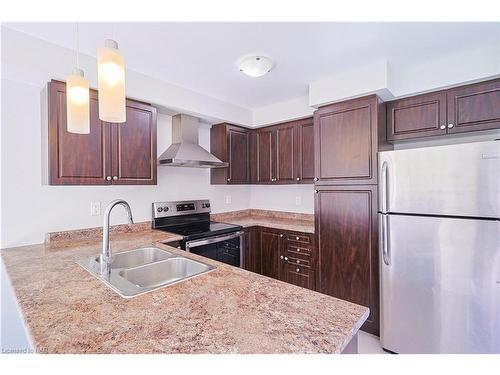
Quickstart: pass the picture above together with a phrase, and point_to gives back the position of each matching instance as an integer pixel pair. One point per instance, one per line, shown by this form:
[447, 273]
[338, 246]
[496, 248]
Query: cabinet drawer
[304, 238]
[298, 261]
[298, 249]
[301, 276]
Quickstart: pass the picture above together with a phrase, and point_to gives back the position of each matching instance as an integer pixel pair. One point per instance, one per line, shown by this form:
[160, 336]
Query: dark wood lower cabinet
[269, 244]
[252, 251]
[347, 242]
[282, 255]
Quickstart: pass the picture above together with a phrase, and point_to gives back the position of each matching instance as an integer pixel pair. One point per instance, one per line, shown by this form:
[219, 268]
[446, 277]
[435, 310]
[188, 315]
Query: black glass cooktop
[202, 229]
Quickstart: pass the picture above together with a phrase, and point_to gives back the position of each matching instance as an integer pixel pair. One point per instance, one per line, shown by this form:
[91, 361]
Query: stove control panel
[178, 208]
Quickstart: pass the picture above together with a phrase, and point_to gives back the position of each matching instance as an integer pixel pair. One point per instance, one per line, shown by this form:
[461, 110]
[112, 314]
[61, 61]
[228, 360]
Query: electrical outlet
[228, 199]
[95, 208]
[298, 200]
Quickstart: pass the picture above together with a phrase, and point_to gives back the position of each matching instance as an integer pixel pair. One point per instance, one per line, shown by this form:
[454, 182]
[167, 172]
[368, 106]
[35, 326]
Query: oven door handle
[210, 240]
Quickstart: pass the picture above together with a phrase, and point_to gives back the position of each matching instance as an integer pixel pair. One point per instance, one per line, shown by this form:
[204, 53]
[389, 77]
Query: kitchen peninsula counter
[228, 310]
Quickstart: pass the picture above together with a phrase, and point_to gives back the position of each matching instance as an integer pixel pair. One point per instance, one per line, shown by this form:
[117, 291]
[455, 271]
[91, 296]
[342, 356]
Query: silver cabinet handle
[298, 250]
[442, 127]
[316, 191]
[108, 178]
[298, 178]
[316, 179]
[297, 238]
[298, 269]
[298, 261]
[286, 258]
[228, 179]
[281, 257]
[281, 235]
[115, 178]
[450, 126]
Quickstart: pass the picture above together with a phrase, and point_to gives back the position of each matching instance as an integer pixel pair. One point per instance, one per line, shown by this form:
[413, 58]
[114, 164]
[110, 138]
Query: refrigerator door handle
[385, 187]
[386, 251]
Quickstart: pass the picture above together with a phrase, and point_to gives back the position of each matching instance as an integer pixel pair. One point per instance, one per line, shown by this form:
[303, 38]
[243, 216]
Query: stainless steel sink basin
[142, 270]
[165, 272]
[138, 257]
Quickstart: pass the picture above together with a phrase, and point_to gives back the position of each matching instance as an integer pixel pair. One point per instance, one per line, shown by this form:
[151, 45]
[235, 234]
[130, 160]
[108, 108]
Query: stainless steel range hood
[185, 150]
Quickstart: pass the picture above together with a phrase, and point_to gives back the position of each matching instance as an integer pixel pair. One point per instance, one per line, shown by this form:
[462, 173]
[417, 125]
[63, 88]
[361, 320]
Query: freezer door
[440, 285]
[455, 180]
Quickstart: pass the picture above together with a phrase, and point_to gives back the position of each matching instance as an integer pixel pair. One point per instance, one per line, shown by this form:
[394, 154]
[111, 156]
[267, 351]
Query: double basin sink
[142, 270]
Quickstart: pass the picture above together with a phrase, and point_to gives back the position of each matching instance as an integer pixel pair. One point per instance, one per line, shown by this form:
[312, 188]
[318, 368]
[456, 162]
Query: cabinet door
[134, 146]
[419, 116]
[305, 151]
[474, 107]
[285, 151]
[76, 159]
[346, 141]
[263, 149]
[346, 237]
[269, 243]
[300, 276]
[238, 141]
[252, 249]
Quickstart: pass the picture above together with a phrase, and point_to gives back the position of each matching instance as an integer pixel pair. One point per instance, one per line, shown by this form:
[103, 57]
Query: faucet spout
[105, 258]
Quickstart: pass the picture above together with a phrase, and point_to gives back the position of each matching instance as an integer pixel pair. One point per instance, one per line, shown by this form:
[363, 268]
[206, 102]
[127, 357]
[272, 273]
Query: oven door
[226, 248]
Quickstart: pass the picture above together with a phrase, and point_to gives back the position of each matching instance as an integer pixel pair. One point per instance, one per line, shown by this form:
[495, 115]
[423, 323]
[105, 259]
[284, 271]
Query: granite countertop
[270, 219]
[228, 310]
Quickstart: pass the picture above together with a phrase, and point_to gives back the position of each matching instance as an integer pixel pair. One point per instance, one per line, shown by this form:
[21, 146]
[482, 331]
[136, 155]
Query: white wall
[293, 198]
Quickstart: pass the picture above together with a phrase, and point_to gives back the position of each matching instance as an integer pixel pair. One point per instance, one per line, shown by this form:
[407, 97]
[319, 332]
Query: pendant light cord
[77, 46]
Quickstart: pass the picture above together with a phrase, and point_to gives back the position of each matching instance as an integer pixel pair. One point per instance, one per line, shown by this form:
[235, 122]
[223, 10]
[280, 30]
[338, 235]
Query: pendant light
[111, 82]
[77, 98]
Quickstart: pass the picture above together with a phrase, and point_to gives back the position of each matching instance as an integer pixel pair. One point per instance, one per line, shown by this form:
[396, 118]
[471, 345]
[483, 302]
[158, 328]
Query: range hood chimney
[185, 150]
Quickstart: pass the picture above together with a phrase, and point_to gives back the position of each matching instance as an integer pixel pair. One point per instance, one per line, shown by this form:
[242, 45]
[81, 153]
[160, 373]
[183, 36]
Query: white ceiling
[203, 56]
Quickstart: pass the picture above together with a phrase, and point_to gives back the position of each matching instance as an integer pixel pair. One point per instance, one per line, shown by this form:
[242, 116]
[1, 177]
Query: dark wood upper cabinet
[305, 151]
[285, 153]
[346, 141]
[134, 146]
[264, 145]
[419, 116]
[230, 144]
[474, 107]
[462, 109]
[346, 235]
[76, 159]
[110, 154]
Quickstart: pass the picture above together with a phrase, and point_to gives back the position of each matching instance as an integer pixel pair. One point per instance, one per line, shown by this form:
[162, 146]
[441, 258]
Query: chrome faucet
[105, 258]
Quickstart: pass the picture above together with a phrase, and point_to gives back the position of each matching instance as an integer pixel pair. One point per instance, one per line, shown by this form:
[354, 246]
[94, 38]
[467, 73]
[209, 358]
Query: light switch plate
[95, 208]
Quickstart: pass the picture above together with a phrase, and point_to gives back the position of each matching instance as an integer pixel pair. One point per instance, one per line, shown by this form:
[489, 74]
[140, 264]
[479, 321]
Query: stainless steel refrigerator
[439, 223]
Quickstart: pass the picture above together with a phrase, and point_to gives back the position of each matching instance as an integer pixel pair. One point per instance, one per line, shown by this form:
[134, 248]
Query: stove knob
[159, 209]
[165, 208]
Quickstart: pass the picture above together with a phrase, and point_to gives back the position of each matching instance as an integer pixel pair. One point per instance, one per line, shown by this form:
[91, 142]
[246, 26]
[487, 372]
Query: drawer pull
[298, 269]
[298, 261]
[286, 258]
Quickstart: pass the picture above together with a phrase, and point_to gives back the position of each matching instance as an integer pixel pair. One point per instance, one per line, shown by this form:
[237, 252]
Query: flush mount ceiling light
[256, 66]
[77, 98]
[111, 83]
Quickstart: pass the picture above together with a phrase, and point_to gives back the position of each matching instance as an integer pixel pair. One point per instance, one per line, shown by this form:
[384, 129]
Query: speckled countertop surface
[228, 310]
[270, 219]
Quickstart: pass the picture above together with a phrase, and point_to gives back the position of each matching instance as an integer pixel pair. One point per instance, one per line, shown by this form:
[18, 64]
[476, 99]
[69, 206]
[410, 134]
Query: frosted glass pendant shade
[77, 103]
[111, 83]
